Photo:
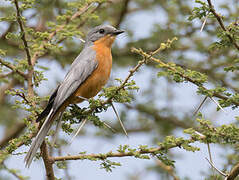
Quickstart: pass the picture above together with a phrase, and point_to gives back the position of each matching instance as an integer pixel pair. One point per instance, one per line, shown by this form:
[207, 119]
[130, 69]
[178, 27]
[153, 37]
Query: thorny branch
[110, 154]
[219, 19]
[13, 68]
[148, 56]
[23, 34]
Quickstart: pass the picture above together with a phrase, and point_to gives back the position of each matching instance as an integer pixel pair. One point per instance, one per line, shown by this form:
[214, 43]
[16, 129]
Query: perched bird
[88, 73]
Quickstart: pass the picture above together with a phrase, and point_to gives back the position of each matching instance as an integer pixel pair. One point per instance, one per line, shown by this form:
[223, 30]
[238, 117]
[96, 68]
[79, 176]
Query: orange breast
[101, 74]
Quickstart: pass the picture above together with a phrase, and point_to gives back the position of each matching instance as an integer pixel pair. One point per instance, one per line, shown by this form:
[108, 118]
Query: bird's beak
[117, 32]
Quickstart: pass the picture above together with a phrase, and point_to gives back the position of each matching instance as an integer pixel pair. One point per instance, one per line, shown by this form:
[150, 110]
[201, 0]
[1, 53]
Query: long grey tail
[39, 138]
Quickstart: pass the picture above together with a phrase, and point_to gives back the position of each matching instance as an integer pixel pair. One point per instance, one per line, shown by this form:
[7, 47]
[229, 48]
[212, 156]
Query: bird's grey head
[100, 31]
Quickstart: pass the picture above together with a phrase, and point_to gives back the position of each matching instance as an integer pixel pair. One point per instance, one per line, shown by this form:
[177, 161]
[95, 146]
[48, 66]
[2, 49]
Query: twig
[13, 68]
[213, 166]
[219, 19]
[47, 162]
[23, 37]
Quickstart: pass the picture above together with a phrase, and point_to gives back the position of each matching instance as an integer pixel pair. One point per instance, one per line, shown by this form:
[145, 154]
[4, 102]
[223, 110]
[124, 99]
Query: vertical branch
[219, 19]
[47, 162]
[23, 37]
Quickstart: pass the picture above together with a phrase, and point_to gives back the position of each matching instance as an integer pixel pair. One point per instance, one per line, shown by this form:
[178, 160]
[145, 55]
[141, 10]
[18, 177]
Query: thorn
[81, 97]
[58, 125]
[121, 123]
[204, 22]
[81, 126]
[200, 134]
[210, 157]
[203, 101]
[218, 104]
[82, 40]
[213, 166]
[108, 126]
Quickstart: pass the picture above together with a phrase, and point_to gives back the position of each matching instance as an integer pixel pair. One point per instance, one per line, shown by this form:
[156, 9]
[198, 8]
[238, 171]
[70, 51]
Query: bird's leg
[117, 115]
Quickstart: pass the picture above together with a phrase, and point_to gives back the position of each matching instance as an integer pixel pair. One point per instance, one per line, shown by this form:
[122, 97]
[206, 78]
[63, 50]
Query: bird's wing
[80, 70]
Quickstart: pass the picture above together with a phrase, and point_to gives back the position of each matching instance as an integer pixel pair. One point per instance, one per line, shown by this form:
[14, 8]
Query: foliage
[175, 52]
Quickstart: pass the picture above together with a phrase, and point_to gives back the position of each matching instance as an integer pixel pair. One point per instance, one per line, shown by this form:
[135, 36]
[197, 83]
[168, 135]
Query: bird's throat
[107, 41]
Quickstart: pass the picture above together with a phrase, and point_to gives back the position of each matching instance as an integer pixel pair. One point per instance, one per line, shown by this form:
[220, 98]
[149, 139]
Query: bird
[88, 73]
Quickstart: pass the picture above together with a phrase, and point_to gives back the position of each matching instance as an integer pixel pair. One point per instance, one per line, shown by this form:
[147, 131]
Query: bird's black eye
[101, 31]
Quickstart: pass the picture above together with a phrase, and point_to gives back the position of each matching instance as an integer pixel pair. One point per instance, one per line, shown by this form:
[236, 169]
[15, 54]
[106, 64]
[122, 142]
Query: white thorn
[203, 24]
[58, 125]
[200, 134]
[82, 40]
[121, 123]
[81, 126]
[108, 126]
[218, 104]
[199, 107]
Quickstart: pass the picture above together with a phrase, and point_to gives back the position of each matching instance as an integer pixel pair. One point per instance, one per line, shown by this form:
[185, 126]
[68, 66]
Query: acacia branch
[23, 37]
[219, 19]
[215, 94]
[110, 154]
[13, 68]
[47, 162]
